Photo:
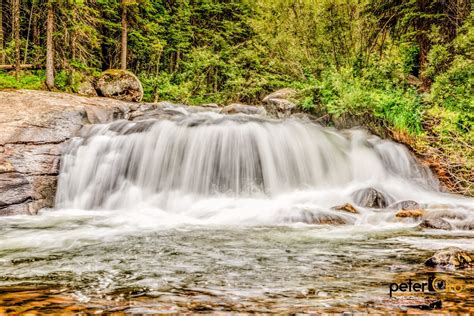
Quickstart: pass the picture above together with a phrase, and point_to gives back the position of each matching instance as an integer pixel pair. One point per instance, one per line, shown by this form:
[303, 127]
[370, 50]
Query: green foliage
[26, 80]
[409, 55]
[453, 89]
[342, 92]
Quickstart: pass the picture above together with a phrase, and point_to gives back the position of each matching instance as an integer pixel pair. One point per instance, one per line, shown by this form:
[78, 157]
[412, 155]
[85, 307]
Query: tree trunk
[2, 55]
[16, 34]
[49, 47]
[28, 33]
[123, 55]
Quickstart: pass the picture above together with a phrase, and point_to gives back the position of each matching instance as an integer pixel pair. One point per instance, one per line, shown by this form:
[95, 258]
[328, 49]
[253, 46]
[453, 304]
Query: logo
[440, 284]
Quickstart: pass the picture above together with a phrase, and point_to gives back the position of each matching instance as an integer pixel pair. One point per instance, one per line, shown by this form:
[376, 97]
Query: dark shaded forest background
[405, 65]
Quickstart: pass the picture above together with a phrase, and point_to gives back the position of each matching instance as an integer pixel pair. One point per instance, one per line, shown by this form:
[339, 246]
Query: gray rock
[87, 88]
[435, 223]
[371, 198]
[405, 205]
[120, 84]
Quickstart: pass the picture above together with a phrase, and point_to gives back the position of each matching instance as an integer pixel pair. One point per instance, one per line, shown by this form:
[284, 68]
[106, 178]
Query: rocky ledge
[33, 126]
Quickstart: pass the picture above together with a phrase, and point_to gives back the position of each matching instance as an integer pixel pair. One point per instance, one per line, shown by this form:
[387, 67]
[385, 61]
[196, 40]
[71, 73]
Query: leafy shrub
[26, 80]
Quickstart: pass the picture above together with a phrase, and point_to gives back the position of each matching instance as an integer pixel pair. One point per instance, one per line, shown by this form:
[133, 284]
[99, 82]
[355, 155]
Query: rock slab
[33, 127]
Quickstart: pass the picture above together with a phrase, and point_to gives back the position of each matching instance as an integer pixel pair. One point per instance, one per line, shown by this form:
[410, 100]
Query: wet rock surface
[435, 223]
[346, 208]
[405, 205]
[371, 198]
[410, 213]
[451, 257]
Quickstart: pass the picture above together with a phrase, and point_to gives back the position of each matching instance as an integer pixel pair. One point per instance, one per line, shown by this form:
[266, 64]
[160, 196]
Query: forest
[406, 66]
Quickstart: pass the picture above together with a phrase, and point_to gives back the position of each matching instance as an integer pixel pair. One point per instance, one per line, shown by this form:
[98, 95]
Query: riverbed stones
[451, 257]
[370, 198]
[120, 84]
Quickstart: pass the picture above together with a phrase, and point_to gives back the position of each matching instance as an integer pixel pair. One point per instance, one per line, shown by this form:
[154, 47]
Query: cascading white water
[204, 165]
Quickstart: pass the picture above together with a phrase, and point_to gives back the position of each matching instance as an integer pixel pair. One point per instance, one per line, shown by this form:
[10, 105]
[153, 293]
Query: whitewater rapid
[208, 168]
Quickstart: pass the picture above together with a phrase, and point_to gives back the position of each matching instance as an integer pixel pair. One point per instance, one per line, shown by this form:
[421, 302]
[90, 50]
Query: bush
[342, 92]
[26, 80]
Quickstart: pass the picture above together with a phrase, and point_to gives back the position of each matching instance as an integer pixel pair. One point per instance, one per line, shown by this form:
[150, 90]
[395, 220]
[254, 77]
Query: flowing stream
[229, 213]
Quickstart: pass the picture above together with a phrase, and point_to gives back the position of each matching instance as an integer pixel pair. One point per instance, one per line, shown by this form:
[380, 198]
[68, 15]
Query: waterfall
[123, 164]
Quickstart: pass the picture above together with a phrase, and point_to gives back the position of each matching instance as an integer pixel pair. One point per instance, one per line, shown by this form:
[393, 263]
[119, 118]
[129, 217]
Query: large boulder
[120, 84]
[279, 103]
[33, 127]
[371, 198]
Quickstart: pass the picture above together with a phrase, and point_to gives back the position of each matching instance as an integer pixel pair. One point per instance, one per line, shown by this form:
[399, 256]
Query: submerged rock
[410, 213]
[316, 218]
[451, 257]
[405, 205]
[442, 214]
[370, 198]
[467, 225]
[435, 223]
[346, 208]
[120, 84]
